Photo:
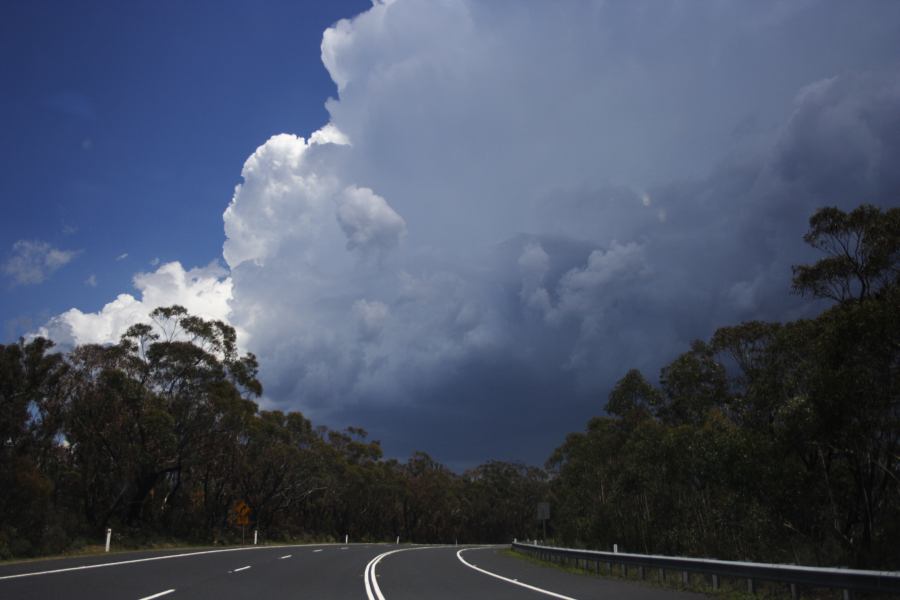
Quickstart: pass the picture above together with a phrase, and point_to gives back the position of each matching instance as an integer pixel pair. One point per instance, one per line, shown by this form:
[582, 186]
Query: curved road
[323, 572]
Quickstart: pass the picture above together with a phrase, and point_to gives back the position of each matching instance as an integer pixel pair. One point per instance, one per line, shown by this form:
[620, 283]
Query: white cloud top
[203, 291]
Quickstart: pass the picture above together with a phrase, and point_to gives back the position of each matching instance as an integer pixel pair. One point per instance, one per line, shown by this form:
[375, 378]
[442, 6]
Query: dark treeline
[158, 437]
[774, 442]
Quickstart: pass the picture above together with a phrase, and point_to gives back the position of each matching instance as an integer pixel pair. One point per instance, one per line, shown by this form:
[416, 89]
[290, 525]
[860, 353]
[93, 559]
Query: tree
[144, 413]
[692, 384]
[633, 397]
[500, 500]
[31, 393]
[862, 250]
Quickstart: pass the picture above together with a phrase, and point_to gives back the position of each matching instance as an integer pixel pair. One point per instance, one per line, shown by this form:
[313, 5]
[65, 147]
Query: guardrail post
[662, 575]
[685, 578]
[715, 583]
[847, 595]
[793, 591]
[751, 586]
[641, 571]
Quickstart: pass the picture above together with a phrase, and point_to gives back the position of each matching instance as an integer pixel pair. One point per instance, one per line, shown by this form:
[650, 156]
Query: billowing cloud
[33, 261]
[370, 224]
[282, 199]
[203, 291]
[579, 189]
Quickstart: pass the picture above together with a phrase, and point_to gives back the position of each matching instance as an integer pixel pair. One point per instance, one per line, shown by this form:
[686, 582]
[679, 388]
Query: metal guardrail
[848, 580]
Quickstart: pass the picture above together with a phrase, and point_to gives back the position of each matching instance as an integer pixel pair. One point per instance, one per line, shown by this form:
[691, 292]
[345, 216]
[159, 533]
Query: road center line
[242, 569]
[157, 595]
[512, 581]
[371, 579]
[319, 550]
[285, 556]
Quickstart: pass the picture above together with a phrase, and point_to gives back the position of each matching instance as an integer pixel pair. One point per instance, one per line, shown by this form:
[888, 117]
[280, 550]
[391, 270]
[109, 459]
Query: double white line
[372, 590]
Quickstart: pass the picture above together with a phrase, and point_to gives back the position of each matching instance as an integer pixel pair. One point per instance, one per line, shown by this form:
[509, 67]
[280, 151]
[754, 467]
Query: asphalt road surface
[320, 572]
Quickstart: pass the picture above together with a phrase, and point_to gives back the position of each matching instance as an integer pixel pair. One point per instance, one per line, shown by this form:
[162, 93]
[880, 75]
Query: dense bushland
[159, 437]
[769, 441]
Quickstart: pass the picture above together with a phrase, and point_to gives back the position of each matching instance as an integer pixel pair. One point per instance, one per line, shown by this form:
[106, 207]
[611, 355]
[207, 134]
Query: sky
[455, 224]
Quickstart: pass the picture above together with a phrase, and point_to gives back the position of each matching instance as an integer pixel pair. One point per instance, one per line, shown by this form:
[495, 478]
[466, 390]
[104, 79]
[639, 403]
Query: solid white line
[157, 595]
[140, 560]
[319, 550]
[285, 556]
[242, 569]
[512, 581]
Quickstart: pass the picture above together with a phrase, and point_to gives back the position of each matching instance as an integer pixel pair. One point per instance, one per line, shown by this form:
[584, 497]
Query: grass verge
[729, 589]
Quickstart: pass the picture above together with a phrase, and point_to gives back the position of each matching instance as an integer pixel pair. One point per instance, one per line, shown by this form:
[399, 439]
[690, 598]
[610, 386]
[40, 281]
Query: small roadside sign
[240, 513]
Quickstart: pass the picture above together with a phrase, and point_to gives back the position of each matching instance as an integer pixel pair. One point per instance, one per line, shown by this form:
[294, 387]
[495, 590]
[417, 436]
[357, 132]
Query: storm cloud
[514, 203]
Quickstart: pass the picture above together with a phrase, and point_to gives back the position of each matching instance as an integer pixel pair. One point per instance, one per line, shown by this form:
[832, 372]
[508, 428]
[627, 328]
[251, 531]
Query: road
[322, 572]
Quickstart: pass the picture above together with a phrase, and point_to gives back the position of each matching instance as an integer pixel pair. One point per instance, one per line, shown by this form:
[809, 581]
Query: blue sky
[125, 125]
[456, 224]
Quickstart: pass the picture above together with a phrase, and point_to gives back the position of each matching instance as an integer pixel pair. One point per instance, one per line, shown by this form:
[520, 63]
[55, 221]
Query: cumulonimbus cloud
[512, 204]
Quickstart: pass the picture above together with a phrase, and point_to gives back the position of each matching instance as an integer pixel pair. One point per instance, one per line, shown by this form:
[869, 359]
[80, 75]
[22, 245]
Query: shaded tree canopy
[160, 436]
[772, 441]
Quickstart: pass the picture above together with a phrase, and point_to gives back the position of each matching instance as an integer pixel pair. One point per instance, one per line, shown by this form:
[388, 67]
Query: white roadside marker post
[346, 538]
[255, 533]
[108, 536]
[398, 539]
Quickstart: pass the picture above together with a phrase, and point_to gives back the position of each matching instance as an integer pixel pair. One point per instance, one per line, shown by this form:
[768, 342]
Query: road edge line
[152, 558]
[506, 579]
[159, 595]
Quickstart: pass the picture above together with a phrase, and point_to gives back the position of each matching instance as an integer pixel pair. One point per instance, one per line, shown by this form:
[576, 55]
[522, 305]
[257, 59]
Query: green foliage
[633, 398]
[862, 251]
[159, 437]
[772, 442]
